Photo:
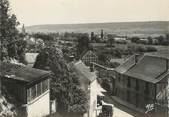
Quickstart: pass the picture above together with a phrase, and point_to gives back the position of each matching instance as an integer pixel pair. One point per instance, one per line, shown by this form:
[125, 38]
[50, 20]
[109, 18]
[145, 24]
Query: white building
[88, 79]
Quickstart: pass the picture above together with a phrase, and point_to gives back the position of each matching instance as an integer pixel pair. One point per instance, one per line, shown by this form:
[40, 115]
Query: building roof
[85, 53]
[22, 73]
[150, 68]
[126, 65]
[84, 71]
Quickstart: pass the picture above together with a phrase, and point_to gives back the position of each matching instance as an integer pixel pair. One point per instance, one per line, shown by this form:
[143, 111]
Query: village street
[118, 110]
[120, 113]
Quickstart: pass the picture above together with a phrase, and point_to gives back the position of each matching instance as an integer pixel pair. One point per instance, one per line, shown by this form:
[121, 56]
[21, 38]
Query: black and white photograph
[84, 58]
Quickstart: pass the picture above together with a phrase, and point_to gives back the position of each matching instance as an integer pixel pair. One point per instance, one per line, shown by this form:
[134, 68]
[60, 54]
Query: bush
[141, 49]
[151, 49]
[114, 64]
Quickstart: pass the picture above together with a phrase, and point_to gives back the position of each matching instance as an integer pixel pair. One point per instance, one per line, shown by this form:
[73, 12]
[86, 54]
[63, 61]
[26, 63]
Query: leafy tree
[65, 85]
[83, 44]
[43, 36]
[135, 39]
[9, 34]
[151, 49]
[150, 40]
[102, 34]
[92, 36]
[114, 64]
[110, 39]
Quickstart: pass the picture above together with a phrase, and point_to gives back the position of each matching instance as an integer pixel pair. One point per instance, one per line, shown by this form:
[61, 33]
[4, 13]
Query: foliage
[151, 49]
[135, 39]
[114, 64]
[83, 44]
[65, 85]
[141, 49]
[10, 38]
[44, 36]
[110, 39]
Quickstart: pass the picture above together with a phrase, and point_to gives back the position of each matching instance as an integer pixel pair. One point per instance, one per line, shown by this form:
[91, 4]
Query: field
[124, 28]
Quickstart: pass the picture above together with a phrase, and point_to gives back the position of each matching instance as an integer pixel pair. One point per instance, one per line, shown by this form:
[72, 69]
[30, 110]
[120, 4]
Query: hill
[122, 28]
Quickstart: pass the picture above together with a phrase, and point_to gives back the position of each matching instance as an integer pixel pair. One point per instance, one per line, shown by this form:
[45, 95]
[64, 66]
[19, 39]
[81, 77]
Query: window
[45, 85]
[147, 88]
[118, 76]
[128, 82]
[137, 84]
[33, 92]
[39, 89]
[128, 96]
[29, 94]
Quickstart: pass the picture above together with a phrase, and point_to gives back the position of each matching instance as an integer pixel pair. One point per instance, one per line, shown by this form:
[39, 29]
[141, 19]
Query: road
[120, 110]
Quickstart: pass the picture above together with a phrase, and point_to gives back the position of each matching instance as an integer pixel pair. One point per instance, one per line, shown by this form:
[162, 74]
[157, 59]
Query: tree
[102, 34]
[65, 85]
[83, 44]
[92, 36]
[135, 39]
[150, 40]
[110, 39]
[9, 33]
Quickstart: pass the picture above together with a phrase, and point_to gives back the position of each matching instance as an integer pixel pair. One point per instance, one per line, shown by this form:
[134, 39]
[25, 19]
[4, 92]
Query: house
[30, 58]
[143, 81]
[143, 41]
[89, 83]
[89, 57]
[120, 39]
[29, 87]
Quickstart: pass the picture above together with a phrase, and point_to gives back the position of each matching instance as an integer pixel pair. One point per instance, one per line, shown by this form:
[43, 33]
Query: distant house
[89, 83]
[30, 58]
[143, 81]
[120, 39]
[89, 57]
[30, 88]
[143, 41]
[155, 41]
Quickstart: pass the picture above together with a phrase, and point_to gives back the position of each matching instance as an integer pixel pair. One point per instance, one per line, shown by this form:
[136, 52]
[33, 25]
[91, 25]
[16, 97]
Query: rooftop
[21, 73]
[151, 67]
[84, 71]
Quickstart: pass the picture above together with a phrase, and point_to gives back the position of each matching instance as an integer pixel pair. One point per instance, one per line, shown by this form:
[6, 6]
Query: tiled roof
[89, 52]
[21, 73]
[126, 65]
[149, 68]
[84, 71]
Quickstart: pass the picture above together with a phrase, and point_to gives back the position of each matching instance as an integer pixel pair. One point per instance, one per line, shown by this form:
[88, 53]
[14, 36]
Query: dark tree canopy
[10, 40]
[83, 44]
[65, 85]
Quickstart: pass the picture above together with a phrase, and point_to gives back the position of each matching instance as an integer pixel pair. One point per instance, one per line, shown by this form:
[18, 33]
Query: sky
[35, 12]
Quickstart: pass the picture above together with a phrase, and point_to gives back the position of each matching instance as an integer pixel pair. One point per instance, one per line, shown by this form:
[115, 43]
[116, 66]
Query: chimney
[136, 58]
